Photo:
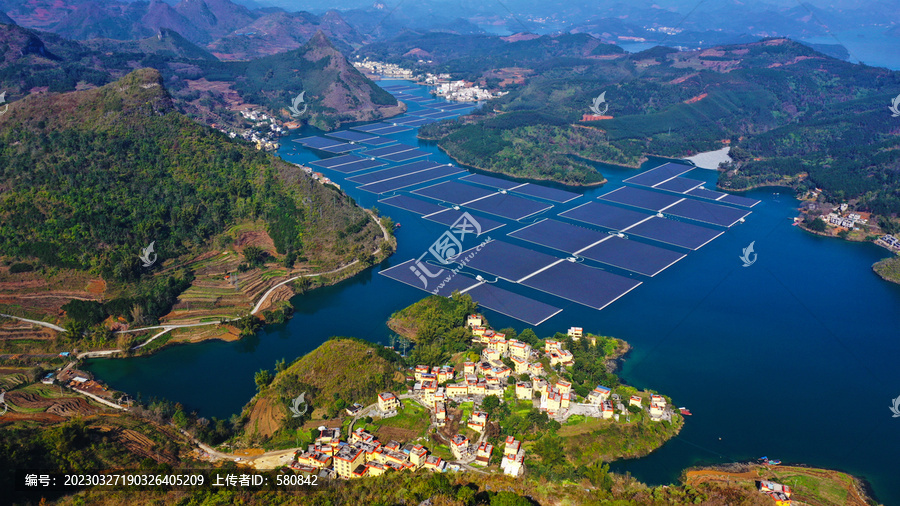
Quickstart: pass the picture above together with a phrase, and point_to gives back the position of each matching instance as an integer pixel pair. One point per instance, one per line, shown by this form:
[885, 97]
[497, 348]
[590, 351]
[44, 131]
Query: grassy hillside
[92, 177]
[340, 372]
[888, 268]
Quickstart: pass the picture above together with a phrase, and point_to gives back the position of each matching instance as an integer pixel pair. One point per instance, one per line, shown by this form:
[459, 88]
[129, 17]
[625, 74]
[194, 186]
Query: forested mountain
[202, 86]
[90, 178]
[786, 108]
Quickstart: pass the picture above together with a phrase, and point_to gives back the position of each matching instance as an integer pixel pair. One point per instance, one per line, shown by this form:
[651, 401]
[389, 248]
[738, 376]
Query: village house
[375, 468]
[563, 386]
[521, 365]
[550, 346]
[483, 453]
[469, 368]
[457, 390]
[459, 446]
[435, 463]
[388, 403]
[606, 410]
[635, 401]
[478, 421]
[347, 459]
[536, 369]
[539, 385]
[576, 333]
[598, 395]
[474, 320]
[499, 345]
[523, 390]
[420, 370]
[518, 349]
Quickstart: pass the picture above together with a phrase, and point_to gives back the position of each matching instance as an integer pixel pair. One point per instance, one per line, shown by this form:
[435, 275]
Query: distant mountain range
[202, 86]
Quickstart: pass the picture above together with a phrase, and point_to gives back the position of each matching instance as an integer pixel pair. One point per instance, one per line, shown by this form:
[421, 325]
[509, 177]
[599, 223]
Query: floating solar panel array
[436, 213]
[668, 177]
[347, 164]
[532, 190]
[484, 200]
[487, 295]
[706, 212]
[329, 145]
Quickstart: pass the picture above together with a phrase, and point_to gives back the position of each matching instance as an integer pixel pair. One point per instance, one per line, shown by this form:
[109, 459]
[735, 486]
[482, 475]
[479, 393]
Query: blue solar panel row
[489, 296]
[351, 167]
[412, 204]
[336, 160]
[508, 261]
[531, 190]
[643, 225]
[451, 107]
[644, 199]
[387, 150]
[318, 142]
[582, 284]
[599, 246]
[480, 199]
[605, 215]
[449, 217]
[342, 148]
[405, 155]
[381, 175]
[454, 192]
[348, 135]
[391, 129]
[411, 179]
[679, 184]
[707, 212]
[659, 174]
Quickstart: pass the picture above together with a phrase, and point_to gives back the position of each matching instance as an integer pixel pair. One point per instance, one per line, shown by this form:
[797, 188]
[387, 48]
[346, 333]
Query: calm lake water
[794, 357]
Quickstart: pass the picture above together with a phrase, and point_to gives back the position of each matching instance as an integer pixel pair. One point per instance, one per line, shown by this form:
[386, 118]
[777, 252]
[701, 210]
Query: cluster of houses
[362, 455]
[318, 176]
[512, 463]
[383, 69]
[463, 91]
[889, 241]
[839, 217]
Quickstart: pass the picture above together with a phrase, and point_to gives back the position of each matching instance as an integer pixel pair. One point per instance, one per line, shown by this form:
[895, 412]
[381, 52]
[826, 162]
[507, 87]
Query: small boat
[396, 225]
[685, 411]
[773, 462]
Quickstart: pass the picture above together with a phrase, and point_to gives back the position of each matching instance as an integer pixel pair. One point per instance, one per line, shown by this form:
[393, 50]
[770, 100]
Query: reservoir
[794, 357]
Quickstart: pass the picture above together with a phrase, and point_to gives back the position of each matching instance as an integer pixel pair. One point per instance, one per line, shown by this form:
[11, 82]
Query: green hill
[92, 177]
[340, 372]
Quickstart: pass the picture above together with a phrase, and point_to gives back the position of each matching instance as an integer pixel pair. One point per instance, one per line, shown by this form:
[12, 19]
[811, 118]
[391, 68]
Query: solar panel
[405, 120]
[399, 87]
[632, 255]
[486, 295]
[387, 150]
[645, 199]
[546, 193]
[673, 232]
[412, 204]
[414, 98]
[381, 175]
[509, 206]
[440, 114]
[404, 273]
[390, 129]
[369, 128]
[341, 148]
[605, 215]
[347, 135]
[411, 179]
[335, 161]
[351, 167]
[455, 192]
[582, 284]
[405, 155]
[508, 261]
[707, 212]
[560, 235]
[679, 184]
[493, 182]
[705, 194]
[512, 304]
[659, 174]
[318, 142]
[738, 200]
[449, 216]
[379, 141]
[420, 122]
[599, 246]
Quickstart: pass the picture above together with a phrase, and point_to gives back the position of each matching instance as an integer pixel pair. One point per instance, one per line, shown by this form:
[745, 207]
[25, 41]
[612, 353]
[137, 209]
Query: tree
[280, 365]
[254, 255]
[262, 378]
[817, 225]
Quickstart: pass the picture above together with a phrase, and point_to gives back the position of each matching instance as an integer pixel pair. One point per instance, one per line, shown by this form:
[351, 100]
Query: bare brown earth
[395, 434]
[138, 444]
[265, 418]
[62, 406]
